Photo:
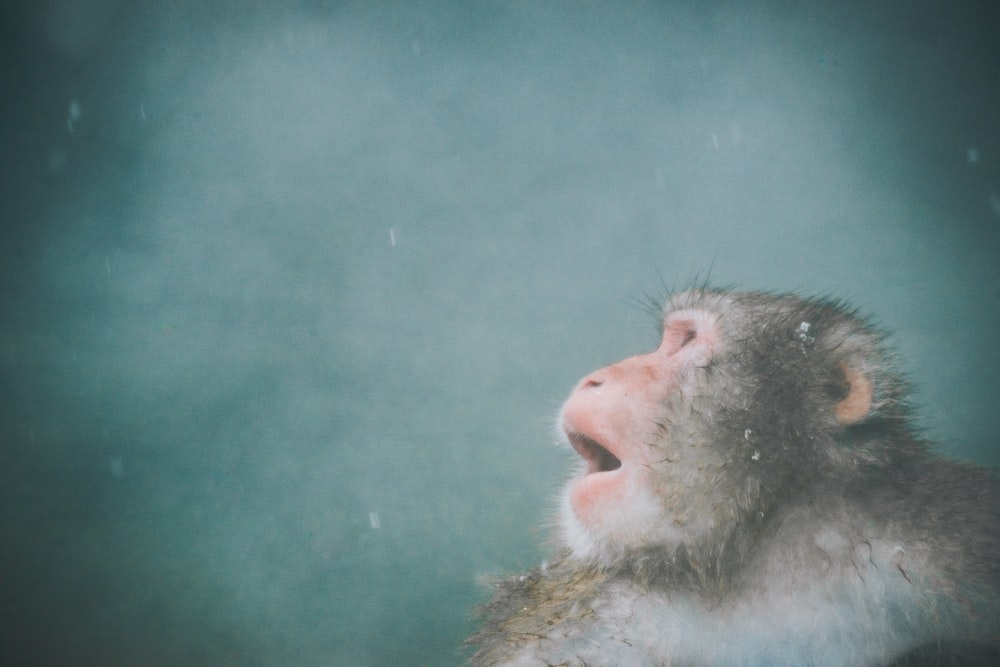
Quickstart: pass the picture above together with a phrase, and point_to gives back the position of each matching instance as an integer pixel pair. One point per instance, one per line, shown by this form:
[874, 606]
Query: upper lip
[599, 458]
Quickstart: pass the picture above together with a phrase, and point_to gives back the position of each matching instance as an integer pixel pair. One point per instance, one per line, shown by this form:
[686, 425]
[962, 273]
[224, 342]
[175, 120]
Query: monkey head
[745, 397]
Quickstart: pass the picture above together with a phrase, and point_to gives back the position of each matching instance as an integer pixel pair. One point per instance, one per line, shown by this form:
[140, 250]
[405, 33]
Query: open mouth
[598, 458]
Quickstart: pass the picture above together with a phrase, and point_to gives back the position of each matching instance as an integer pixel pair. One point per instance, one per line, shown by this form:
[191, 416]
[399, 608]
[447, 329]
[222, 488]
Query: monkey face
[638, 485]
[684, 444]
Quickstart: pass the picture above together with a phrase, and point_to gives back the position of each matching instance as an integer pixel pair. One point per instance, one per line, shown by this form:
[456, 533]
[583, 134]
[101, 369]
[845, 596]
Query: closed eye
[678, 332]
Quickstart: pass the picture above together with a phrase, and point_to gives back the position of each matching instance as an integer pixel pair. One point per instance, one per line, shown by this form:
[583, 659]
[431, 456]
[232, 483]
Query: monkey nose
[595, 380]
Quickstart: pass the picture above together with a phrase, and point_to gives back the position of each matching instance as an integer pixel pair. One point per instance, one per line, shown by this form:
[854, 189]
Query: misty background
[290, 292]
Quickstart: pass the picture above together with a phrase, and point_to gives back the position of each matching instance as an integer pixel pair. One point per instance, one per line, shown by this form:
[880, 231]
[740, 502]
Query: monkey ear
[858, 403]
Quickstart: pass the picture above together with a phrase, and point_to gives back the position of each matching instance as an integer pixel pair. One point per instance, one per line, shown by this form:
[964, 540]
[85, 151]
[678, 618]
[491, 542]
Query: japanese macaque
[752, 493]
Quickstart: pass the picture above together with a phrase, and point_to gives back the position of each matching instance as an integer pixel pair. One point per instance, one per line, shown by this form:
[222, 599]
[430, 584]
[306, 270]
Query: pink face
[618, 419]
[656, 471]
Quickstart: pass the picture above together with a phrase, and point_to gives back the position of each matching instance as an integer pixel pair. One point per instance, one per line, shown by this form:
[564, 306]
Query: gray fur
[840, 545]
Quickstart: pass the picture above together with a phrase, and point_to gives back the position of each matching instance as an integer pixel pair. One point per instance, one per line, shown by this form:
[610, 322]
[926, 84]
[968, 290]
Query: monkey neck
[716, 569]
[712, 568]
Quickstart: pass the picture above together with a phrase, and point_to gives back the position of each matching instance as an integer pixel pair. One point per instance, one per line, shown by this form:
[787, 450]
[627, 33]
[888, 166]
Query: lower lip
[592, 492]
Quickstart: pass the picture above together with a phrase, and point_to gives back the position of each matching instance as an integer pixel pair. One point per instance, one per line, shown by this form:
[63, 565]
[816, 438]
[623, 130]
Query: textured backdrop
[291, 291]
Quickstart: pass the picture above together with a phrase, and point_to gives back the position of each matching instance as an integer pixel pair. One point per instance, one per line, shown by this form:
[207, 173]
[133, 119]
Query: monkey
[754, 492]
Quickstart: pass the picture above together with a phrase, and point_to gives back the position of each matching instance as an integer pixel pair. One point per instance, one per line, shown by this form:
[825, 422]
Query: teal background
[290, 292]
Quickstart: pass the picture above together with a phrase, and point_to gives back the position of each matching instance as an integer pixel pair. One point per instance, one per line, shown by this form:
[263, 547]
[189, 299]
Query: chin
[605, 536]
